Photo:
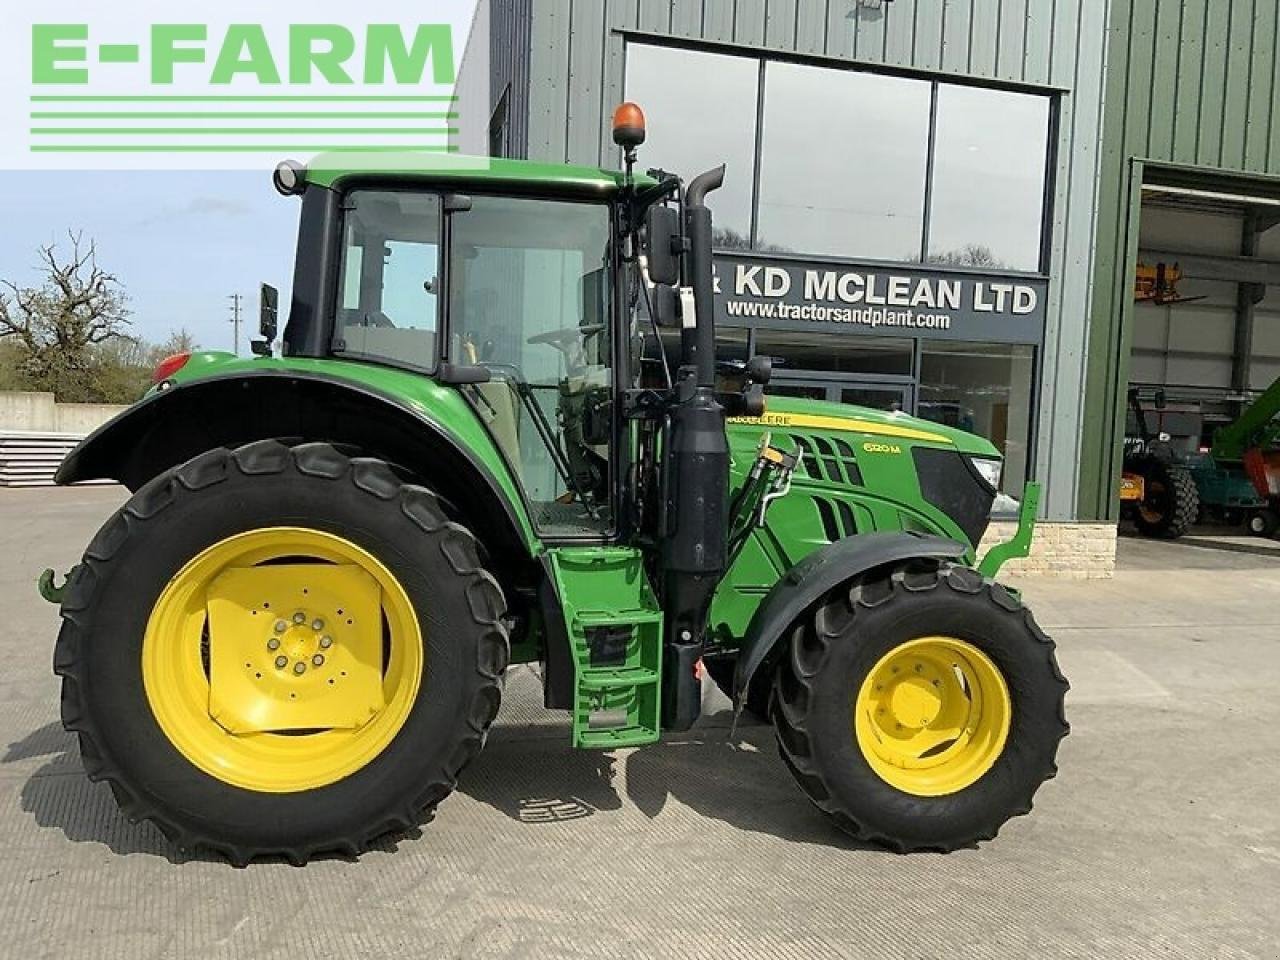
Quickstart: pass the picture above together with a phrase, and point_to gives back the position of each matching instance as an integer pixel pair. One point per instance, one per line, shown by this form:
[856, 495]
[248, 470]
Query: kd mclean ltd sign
[883, 299]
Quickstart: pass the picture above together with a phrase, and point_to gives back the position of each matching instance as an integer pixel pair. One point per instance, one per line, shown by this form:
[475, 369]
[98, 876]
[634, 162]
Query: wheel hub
[932, 716]
[294, 647]
[914, 703]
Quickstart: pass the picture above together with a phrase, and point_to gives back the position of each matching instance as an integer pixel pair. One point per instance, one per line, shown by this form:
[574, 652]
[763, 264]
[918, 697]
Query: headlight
[989, 469]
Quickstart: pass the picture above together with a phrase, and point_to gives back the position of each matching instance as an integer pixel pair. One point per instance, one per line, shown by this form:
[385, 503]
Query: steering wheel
[560, 339]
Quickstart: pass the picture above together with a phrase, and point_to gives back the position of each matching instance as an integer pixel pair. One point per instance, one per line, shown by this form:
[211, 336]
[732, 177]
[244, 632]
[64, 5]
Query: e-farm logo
[307, 87]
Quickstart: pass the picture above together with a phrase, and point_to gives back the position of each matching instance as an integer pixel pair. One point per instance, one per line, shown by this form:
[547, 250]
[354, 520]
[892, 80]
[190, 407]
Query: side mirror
[661, 239]
[268, 319]
[666, 306]
[760, 369]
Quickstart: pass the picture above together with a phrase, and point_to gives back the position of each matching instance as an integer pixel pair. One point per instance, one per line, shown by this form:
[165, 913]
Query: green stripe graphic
[261, 98]
[238, 148]
[259, 131]
[236, 115]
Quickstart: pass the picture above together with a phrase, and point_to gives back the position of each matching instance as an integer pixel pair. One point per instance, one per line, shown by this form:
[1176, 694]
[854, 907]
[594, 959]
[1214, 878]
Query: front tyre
[280, 651]
[920, 708]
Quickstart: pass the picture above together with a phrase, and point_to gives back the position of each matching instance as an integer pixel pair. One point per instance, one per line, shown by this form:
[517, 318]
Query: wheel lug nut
[299, 667]
[299, 617]
[317, 660]
[281, 626]
[317, 625]
[281, 662]
[273, 644]
[326, 641]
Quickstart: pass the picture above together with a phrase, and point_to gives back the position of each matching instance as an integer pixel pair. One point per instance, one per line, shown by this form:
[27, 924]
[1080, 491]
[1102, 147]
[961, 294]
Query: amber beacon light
[628, 125]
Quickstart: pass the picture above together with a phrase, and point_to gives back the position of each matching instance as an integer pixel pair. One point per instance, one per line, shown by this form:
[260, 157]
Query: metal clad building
[880, 231]
[1192, 101]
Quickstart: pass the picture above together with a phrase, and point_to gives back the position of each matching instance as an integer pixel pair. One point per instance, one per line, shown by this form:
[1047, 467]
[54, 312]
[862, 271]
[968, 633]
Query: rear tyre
[920, 709]
[341, 707]
[1170, 501]
[1264, 522]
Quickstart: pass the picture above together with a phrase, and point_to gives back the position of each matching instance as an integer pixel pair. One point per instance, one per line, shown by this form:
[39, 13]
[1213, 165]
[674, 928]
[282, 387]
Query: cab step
[614, 626]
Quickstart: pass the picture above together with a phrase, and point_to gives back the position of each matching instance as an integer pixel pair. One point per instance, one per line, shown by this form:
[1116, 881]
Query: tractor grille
[837, 518]
[830, 459]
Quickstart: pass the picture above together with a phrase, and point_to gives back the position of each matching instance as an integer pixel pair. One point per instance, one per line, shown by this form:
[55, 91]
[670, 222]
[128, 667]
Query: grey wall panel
[811, 27]
[587, 47]
[1056, 43]
[718, 20]
[685, 18]
[780, 24]
[984, 33]
[1037, 47]
[955, 21]
[749, 21]
[926, 35]
[549, 86]
[496, 60]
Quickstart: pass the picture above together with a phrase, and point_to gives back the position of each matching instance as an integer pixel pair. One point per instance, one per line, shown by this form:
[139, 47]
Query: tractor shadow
[739, 781]
[61, 797]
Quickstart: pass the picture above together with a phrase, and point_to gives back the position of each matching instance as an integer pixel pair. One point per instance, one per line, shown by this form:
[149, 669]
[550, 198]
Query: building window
[982, 388]
[822, 353]
[845, 156]
[987, 205]
[843, 162]
[499, 144]
[700, 110]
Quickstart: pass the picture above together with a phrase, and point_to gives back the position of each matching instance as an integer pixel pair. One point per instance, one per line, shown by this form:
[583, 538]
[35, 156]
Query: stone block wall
[1074, 551]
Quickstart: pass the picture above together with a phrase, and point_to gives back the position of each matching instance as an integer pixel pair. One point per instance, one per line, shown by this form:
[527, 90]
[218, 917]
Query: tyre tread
[801, 667]
[458, 545]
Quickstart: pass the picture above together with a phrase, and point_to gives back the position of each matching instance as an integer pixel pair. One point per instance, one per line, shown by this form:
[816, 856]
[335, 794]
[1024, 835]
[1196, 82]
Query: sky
[180, 242]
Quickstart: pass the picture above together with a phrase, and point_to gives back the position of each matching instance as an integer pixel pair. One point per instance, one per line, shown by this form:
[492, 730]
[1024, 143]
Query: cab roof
[328, 169]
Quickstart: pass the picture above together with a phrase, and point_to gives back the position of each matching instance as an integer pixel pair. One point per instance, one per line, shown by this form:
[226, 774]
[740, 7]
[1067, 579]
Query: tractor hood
[935, 478]
[839, 418]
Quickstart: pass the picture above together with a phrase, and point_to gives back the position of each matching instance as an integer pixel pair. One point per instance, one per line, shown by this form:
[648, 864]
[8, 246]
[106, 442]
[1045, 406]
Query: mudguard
[168, 428]
[817, 573]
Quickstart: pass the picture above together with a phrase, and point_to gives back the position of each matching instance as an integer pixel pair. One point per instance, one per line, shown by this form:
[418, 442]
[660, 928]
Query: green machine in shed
[1249, 448]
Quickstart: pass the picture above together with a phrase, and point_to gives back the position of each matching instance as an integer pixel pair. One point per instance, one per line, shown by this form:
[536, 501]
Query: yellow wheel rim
[273, 708]
[932, 716]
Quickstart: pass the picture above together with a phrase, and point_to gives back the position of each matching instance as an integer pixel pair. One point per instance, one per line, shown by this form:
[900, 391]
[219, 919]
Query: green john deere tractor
[292, 638]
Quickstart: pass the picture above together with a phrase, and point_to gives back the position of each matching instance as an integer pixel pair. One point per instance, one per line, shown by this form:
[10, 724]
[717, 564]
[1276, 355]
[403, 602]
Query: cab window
[528, 298]
[389, 297]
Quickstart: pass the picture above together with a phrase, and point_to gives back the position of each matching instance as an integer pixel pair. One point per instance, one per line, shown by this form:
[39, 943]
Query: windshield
[529, 296]
[388, 304]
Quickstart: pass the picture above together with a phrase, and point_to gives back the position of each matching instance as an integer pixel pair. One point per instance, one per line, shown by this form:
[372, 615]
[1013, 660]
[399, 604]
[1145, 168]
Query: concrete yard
[1159, 838]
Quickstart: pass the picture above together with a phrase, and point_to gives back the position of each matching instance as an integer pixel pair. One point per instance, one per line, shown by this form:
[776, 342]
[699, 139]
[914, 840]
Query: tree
[178, 341]
[970, 255]
[59, 324]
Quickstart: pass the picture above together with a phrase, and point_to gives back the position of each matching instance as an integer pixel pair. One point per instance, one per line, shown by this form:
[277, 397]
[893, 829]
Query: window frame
[337, 345]
[619, 452]
[621, 505]
[763, 58]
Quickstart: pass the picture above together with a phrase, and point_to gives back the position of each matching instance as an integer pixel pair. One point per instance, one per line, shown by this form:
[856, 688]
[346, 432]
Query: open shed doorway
[1204, 360]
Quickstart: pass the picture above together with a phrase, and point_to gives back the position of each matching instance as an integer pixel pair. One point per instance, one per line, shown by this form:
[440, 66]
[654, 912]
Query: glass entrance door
[862, 393]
